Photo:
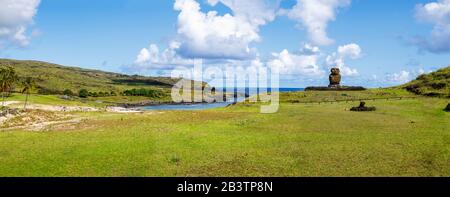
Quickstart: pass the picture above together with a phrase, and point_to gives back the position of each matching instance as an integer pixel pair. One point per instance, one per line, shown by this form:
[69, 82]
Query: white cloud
[15, 17]
[337, 59]
[211, 36]
[152, 57]
[404, 76]
[315, 16]
[256, 12]
[302, 64]
[401, 77]
[438, 14]
[310, 49]
[352, 51]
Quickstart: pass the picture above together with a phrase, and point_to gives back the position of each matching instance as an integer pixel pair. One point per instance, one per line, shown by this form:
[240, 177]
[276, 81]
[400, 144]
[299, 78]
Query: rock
[335, 84]
[65, 97]
[335, 78]
[8, 111]
[362, 104]
[447, 109]
[362, 107]
[340, 88]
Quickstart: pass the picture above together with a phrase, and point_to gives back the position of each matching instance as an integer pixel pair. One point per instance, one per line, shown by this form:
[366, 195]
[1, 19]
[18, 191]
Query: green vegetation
[144, 92]
[83, 93]
[27, 84]
[52, 79]
[435, 84]
[8, 78]
[56, 79]
[406, 137]
[54, 100]
[68, 92]
[333, 96]
[313, 134]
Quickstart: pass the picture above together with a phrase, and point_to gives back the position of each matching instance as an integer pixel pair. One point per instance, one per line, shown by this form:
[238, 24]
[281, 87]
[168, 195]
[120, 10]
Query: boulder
[335, 78]
[362, 107]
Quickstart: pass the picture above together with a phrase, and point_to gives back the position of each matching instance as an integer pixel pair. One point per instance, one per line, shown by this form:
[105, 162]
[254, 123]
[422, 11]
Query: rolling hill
[435, 84]
[54, 79]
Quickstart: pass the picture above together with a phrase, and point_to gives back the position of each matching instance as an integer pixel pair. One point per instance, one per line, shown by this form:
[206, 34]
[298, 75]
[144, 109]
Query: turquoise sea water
[204, 106]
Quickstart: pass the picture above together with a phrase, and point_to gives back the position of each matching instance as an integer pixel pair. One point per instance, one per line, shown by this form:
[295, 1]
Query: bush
[144, 92]
[68, 92]
[438, 85]
[83, 93]
[45, 91]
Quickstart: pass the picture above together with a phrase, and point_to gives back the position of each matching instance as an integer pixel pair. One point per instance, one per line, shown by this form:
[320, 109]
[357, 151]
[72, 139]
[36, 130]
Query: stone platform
[340, 88]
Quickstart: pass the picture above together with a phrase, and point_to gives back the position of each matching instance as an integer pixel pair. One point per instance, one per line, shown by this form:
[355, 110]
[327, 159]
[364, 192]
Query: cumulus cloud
[401, 77]
[404, 76]
[213, 36]
[303, 64]
[437, 14]
[15, 17]
[256, 12]
[309, 49]
[152, 57]
[315, 15]
[337, 59]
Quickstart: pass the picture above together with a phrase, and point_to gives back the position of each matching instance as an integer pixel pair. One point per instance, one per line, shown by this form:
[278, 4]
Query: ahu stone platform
[339, 88]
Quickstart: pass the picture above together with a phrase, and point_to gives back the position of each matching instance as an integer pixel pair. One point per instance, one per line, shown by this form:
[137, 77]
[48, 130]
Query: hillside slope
[433, 84]
[54, 79]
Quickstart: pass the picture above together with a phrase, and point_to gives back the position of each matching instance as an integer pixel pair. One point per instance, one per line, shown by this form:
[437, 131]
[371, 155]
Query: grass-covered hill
[433, 84]
[54, 79]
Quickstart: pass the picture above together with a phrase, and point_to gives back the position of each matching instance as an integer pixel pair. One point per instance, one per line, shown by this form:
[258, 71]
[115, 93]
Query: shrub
[83, 93]
[68, 92]
[438, 85]
[144, 92]
[45, 91]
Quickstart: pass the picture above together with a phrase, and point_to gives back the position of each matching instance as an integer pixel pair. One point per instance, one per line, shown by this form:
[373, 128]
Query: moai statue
[335, 78]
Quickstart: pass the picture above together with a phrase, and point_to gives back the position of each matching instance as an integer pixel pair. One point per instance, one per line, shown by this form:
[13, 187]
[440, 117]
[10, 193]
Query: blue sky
[109, 35]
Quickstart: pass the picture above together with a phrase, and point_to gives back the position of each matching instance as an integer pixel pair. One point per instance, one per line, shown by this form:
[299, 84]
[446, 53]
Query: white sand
[121, 110]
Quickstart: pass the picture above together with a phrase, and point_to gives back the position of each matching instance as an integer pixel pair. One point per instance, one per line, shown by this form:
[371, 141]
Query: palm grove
[11, 82]
[8, 81]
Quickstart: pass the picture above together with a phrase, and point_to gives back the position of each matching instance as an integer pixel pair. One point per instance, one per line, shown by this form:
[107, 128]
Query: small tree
[83, 93]
[28, 84]
[8, 78]
[68, 92]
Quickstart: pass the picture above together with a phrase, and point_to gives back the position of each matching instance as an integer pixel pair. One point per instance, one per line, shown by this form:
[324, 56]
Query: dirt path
[42, 126]
[7, 103]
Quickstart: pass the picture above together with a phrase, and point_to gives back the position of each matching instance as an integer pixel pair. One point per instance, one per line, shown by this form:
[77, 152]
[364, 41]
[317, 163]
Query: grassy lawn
[89, 102]
[402, 138]
[51, 100]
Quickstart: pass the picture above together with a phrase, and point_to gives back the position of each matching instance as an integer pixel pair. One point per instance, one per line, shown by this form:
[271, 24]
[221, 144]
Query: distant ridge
[54, 79]
[436, 84]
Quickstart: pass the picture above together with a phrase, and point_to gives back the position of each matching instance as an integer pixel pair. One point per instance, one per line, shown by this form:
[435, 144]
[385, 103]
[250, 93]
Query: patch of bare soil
[38, 120]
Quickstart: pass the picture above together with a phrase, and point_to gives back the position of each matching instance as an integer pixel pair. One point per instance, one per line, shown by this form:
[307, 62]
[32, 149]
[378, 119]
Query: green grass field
[407, 137]
[54, 79]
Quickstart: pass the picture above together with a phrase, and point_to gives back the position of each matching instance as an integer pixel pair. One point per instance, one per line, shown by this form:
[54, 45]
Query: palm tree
[28, 84]
[8, 78]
